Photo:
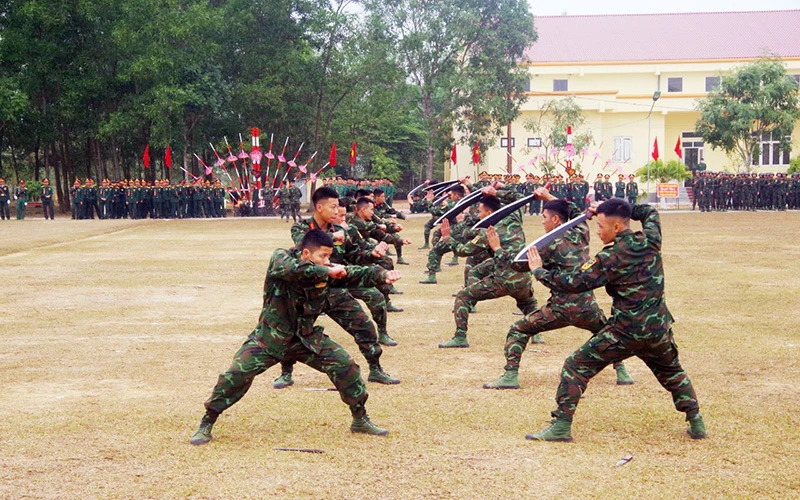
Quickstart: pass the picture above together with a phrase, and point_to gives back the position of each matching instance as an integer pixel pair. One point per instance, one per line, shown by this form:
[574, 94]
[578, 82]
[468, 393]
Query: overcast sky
[578, 7]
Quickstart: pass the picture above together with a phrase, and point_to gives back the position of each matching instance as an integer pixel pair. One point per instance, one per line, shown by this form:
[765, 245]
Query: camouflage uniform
[494, 277]
[631, 269]
[294, 194]
[341, 305]
[294, 296]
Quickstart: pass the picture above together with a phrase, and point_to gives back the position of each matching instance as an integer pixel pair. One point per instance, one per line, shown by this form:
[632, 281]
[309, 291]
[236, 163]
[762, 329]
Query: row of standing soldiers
[343, 186]
[289, 201]
[137, 199]
[721, 191]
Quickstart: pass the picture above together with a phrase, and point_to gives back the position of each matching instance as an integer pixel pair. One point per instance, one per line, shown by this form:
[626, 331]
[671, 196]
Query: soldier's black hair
[350, 193]
[361, 193]
[362, 202]
[458, 189]
[615, 207]
[491, 202]
[314, 240]
[378, 192]
[342, 203]
[558, 207]
[324, 193]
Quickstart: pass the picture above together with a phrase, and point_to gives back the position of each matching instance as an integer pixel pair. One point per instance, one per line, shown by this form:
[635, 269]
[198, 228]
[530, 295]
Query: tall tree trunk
[61, 180]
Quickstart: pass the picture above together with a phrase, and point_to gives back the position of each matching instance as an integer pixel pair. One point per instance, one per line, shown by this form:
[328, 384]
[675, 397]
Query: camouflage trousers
[608, 346]
[550, 317]
[435, 254]
[252, 359]
[343, 308]
[491, 287]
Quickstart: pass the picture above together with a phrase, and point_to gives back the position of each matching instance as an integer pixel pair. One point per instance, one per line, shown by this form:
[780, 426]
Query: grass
[113, 334]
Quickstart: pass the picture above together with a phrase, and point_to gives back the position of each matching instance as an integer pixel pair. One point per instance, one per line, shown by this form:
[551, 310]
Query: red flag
[353, 154]
[655, 150]
[332, 157]
[168, 157]
[453, 155]
[146, 157]
[476, 154]
[678, 150]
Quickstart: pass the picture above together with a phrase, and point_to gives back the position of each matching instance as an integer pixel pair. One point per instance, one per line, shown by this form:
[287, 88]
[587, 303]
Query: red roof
[664, 37]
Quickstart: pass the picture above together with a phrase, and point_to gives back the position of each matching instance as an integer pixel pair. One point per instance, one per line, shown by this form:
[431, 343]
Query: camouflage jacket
[383, 210]
[566, 254]
[294, 296]
[368, 229]
[631, 269]
[346, 252]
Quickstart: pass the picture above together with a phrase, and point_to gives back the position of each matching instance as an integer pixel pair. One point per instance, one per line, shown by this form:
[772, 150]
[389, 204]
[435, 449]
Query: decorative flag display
[678, 150]
[146, 156]
[453, 155]
[332, 157]
[168, 157]
[353, 154]
[655, 150]
[476, 153]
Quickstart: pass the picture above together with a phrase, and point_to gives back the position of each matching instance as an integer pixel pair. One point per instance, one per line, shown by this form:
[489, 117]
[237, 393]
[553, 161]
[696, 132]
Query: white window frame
[504, 142]
[771, 147]
[622, 149]
[671, 79]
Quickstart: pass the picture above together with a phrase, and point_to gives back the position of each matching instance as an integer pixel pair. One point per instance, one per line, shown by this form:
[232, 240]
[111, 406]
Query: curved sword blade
[498, 215]
[546, 239]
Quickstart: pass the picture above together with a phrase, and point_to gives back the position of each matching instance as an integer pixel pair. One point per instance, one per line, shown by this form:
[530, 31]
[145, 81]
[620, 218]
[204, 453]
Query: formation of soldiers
[722, 191]
[140, 199]
[344, 186]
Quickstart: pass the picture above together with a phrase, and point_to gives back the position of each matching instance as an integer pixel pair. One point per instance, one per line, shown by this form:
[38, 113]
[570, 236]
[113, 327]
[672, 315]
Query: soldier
[294, 295]
[562, 309]
[21, 195]
[584, 193]
[632, 190]
[455, 194]
[104, 195]
[294, 201]
[631, 269]
[383, 211]
[599, 192]
[76, 200]
[619, 187]
[90, 207]
[283, 202]
[340, 305]
[46, 195]
[494, 277]
[5, 200]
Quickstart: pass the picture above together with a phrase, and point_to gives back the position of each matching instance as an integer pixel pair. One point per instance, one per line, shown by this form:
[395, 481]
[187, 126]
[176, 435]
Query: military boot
[473, 309]
[401, 261]
[454, 261]
[363, 425]
[456, 341]
[697, 429]
[622, 375]
[430, 280]
[393, 308]
[389, 253]
[559, 430]
[203, 434]
[285, 380]
[394, 291]
[537, 339]
[507, 381]
[385, 339]
[376, 374]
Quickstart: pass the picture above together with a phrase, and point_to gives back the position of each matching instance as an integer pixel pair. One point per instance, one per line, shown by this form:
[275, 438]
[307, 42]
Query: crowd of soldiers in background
[721, 191]
[140, 199]
[343, 187]
[573, 188]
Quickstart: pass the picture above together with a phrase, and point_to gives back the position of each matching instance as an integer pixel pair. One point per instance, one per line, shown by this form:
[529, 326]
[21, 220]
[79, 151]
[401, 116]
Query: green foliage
[757, 99]
[794, 165]
[384, 166]
[552, 121]
[658, 171]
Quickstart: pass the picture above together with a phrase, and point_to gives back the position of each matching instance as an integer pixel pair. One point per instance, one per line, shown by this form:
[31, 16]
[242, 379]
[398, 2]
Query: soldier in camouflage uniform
[340, 304]
[631, 269]
[632, 190]
[494, 277]
[46, 195]
[21, 195]
[294, 194]
[5, 200]
[294, 295]
[383, 211]
[562, 309]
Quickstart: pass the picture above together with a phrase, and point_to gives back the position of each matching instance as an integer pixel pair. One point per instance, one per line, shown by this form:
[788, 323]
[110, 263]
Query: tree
[659, 171]
[550, 124]
[757, 99]
[463, 57]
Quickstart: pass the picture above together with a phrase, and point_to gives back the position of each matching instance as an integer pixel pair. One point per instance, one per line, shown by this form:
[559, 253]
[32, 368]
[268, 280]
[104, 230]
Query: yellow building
[612, 65]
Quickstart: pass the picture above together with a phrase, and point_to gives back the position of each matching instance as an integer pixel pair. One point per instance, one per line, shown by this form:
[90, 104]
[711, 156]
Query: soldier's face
[380, 199]
[366, 212]
[321, 256]
[550, 220]
[609, 227]
[327, 209]
[340, 215]
[483, 212]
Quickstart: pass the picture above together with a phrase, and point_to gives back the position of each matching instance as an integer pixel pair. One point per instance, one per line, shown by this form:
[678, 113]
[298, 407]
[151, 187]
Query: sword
[433, 186]
[548, 238]
[462, 204]
[498, 215]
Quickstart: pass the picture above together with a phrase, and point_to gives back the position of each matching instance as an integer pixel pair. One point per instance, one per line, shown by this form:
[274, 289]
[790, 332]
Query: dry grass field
[112, 334]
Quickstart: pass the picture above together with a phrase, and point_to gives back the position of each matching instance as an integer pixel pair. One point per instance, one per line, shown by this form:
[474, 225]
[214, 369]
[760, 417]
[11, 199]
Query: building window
[771, 152]
[622, 149]
[712, 82]
[527, 86]
[504, 142]
[675, 84]
[534, 142]
[560, 85]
